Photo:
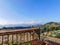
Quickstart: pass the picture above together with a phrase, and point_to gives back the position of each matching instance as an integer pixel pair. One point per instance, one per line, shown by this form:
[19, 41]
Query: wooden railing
[19, 36]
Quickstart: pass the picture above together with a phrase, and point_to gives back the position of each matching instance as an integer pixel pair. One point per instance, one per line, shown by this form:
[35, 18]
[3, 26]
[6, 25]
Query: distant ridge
[19, 26]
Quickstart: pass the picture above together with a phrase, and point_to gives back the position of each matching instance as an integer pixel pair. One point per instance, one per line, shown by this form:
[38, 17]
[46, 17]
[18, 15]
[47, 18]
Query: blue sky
[29, 11]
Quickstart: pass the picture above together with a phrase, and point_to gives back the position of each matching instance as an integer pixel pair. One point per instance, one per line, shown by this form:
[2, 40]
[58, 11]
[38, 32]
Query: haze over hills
[19, 25]
[30, 25]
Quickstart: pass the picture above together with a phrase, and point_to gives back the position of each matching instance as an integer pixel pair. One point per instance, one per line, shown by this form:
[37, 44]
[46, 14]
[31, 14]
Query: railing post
[20, 38]
[24, 37]
[39, 33]
[27, 36]
[12, 39]
[8, 39]
[33, 35]
[17, 38]
[2, 39]
[30, 35]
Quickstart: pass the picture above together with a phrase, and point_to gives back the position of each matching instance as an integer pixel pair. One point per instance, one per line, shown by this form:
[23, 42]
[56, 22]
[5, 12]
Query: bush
[27, 43]
[0, 43]
[57, 35]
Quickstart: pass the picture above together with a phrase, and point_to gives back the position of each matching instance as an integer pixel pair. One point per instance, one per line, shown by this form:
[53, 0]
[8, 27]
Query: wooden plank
[13, 30]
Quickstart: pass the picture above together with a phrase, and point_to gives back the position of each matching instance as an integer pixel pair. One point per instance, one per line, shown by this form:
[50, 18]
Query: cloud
[2, 21]
[31, 22]
[5, 22]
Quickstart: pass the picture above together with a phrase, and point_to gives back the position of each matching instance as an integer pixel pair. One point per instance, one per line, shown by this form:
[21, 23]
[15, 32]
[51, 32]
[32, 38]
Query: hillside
[51, 29]
[51, 26]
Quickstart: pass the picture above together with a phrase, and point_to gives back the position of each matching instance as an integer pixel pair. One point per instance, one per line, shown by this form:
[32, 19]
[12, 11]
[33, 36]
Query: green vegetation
[50, 29]
[57, 35]
[28, 43]
[51, 26]
[0, 43]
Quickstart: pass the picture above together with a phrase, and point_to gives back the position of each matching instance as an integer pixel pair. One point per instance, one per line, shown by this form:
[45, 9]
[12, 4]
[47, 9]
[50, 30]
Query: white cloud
[31, 22]
[5, 22]
[2, 21]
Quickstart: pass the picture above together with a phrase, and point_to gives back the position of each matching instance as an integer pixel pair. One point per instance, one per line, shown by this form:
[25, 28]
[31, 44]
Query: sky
[29, 11]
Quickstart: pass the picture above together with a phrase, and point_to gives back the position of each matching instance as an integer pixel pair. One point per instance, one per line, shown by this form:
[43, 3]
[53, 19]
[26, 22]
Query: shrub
[57, 35]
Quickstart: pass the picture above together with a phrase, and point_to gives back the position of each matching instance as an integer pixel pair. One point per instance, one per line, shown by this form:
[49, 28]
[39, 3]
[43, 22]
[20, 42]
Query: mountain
[56, 24]
[19, 26]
